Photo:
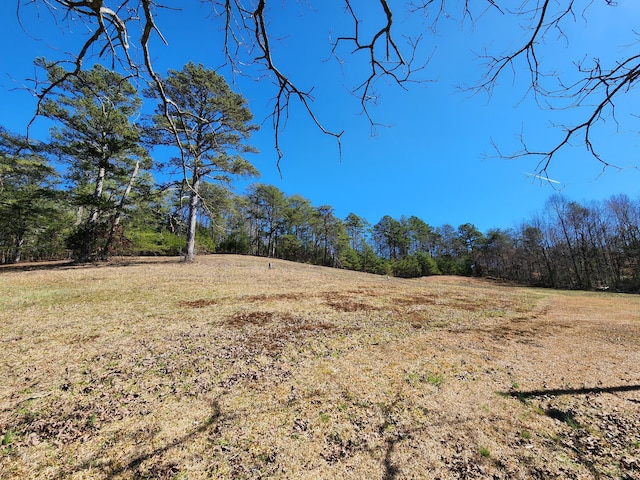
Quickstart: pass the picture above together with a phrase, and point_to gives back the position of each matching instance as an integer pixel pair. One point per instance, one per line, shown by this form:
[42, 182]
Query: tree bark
[17, 256]
[88, 243]
[194, 201]
[118, 216]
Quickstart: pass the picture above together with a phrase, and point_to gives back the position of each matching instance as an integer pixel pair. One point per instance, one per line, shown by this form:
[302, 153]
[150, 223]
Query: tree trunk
[118, 216]
[88, 243]
[17, 256]
[97, 194]
[194, 201]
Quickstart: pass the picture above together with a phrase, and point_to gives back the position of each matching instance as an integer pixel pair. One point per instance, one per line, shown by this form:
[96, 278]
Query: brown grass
[149, 368]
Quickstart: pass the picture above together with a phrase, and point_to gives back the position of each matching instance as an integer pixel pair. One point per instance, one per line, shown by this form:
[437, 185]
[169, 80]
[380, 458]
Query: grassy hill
[150, 368]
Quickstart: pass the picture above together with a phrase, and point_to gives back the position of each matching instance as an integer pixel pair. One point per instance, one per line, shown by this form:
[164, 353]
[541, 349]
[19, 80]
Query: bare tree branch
[391, 63]
[386, 52]
[594, 92]
[286, 89]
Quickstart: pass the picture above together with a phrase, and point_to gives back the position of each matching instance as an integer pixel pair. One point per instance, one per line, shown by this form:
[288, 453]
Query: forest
[94, 189]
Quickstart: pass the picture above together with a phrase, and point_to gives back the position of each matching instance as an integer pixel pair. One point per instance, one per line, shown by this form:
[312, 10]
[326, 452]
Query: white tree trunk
[194, 201]
[88, 242]
[97, 193]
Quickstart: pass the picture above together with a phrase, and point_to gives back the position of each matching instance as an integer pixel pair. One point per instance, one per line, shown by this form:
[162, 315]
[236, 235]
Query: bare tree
[389, 52]
[246, 42]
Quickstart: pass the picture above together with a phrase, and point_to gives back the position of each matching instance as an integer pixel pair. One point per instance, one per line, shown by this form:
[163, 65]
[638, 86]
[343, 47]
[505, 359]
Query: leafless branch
[167, 103]
[387, 53]
[605, 86]
[244, 28]
[594, 92]
[384, 56]
[286, 89]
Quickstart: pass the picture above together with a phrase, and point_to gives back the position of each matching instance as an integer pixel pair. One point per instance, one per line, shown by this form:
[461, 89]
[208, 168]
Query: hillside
[150, 368]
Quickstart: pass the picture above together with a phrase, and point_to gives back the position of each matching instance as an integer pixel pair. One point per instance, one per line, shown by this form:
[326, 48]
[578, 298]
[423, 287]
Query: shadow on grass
[391, 471]
[70, 264]
[132, 467]
[524, 395]
[30, 266]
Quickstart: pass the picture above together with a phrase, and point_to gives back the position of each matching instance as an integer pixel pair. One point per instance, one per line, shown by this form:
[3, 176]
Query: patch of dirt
[417, 300]
[254, 333]
[197, 303]
[288, 330]
[242, 319]
[342, 302]
[345, 305]
[519, 331]
[276, 297]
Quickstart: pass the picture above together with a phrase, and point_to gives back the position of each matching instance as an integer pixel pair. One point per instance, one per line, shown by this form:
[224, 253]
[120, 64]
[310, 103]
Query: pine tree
[100, 143]
[209, 124]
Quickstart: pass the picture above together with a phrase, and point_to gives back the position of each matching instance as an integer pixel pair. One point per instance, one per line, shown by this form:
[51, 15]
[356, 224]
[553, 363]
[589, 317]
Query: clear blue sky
[433, 159]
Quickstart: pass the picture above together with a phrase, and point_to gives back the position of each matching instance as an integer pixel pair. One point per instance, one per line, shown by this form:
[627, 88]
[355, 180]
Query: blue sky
[434, 156]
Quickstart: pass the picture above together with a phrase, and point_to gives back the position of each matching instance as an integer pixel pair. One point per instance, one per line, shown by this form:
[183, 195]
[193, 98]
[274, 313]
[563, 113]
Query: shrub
[408, 267]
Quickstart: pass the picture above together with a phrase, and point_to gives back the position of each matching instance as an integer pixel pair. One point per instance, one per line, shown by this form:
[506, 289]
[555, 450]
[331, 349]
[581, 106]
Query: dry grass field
[149, 368]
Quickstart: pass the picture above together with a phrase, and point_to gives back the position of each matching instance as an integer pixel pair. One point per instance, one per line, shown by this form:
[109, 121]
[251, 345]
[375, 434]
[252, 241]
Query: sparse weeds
[8, 438]
[91, 422]
[435, 379]
[539, 410]
[572, 422]
[7, 443]
[414, 379]
[223, 443]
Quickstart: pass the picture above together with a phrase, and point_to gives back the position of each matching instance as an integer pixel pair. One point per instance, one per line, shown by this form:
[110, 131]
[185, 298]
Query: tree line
[567, 245]
[88, 192]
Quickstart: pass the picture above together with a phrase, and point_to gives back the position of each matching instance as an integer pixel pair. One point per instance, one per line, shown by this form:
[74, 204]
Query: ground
[151, 368]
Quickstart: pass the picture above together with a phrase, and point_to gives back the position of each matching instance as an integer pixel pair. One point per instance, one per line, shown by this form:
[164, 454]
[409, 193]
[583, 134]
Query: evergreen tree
[99, 142]
[210, 125]
[356, 228]
[268, 208]
[31, 208]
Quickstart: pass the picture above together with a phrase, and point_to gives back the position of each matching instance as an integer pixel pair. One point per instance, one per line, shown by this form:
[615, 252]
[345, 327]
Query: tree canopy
[99, 145]
[31, 207]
